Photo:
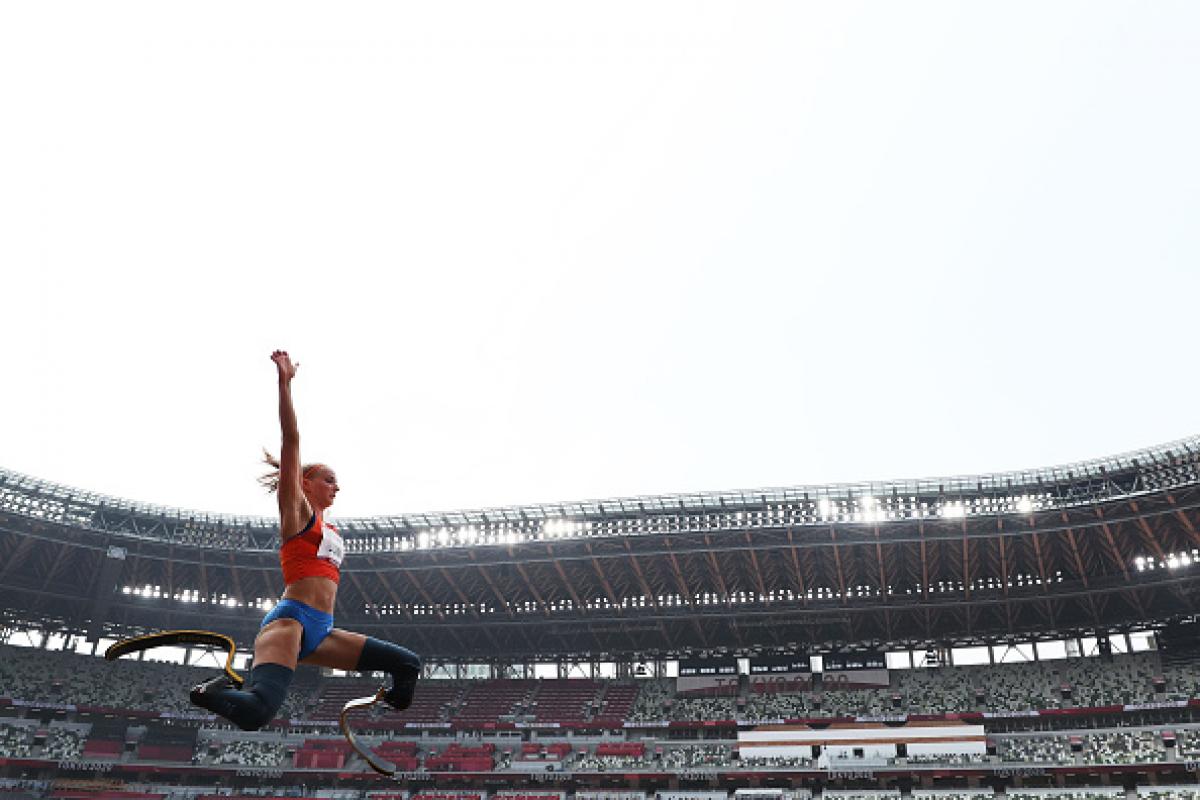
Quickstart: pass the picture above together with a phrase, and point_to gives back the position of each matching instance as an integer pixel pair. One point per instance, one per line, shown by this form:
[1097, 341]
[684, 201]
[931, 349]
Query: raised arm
[294, 510]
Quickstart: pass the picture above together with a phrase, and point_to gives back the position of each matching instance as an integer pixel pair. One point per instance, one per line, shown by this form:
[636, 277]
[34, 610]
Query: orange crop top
[316, 551]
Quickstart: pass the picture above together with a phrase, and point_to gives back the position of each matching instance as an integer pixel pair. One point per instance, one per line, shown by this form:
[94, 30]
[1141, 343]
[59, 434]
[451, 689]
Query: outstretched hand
[283, 363]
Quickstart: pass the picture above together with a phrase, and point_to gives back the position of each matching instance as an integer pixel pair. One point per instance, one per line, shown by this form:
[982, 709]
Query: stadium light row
[1171, 561]
[567, 605]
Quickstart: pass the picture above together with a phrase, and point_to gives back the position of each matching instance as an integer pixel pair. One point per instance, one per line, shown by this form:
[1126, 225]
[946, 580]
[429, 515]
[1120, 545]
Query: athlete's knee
[251, 707]
[269, 685]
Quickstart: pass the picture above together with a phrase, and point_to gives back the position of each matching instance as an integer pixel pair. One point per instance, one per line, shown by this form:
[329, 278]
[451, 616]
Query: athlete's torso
[311, 562]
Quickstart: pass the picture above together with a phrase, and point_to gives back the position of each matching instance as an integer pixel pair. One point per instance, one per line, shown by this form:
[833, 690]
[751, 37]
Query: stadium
[1029, 633]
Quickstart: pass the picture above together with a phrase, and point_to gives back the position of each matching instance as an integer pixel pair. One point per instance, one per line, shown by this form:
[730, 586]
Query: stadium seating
[511, 794]
[616, 703]
[1097, 793]
[1124, 747]
[322, 754]
[334, 694]
[65, 678]
[565, 700]
[15, 741]
[697, 756]
[99, 746]
[250, 753]
[613, 756]
[433, 701]
[650, 704]
[403, 755]
[534, 751]
[172, 743]
[609, 794]
[457, 758]
[881, 794]
[953, 794]
[447, 795]
[488, 701]
[1187, 743]
[91, 794]
[1168, 793]
[952, 759]
[1035, 750]
[778, 762]
[64, 743]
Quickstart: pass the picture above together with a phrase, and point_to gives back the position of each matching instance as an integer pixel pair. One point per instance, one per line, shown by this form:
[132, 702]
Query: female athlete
[300, 628]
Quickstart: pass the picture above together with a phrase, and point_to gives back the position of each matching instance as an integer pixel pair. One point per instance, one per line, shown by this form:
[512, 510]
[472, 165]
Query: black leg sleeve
[251, 708]
[403, 664]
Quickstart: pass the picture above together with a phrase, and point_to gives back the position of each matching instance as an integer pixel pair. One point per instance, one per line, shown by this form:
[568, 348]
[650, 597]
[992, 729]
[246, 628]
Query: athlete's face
[321, 487]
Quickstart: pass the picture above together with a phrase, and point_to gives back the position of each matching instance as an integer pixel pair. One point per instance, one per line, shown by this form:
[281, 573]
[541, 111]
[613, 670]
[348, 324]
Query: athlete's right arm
[293, 508]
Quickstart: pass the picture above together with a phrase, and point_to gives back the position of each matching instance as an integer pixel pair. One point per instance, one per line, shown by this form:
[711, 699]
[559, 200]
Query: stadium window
[900, 659]
[924, 659]
[1119, 645]
[204, 657]
[1142, 641]
[1049, 651]
[1089, 646]
[19, 637]
[55, 641]
[84, 647]
[1013, 653]
[671, 669]
[165, 655]
[961, 656]
[606, 669]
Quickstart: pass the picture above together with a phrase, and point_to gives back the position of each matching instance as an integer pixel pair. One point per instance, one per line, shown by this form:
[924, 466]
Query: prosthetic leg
[175, 639]
[382, 766]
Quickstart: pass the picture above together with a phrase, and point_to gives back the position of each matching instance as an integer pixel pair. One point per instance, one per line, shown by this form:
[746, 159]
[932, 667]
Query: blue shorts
[316, 624]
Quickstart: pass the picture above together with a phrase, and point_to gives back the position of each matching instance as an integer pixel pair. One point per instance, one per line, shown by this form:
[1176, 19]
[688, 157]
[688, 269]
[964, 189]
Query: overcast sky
[532, 252]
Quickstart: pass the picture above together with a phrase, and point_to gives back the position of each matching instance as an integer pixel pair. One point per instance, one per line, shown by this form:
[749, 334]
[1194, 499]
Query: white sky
[531, 252]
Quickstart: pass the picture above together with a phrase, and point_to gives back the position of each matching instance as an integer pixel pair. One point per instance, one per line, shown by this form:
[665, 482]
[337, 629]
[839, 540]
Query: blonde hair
[270, 480]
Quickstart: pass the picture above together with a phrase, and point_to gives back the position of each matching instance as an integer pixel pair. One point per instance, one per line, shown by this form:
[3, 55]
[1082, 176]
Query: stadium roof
[1023, 491]
[1102, 545]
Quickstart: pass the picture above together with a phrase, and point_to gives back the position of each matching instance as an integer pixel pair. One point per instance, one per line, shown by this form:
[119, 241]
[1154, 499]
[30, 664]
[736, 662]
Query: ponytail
[270, 480]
